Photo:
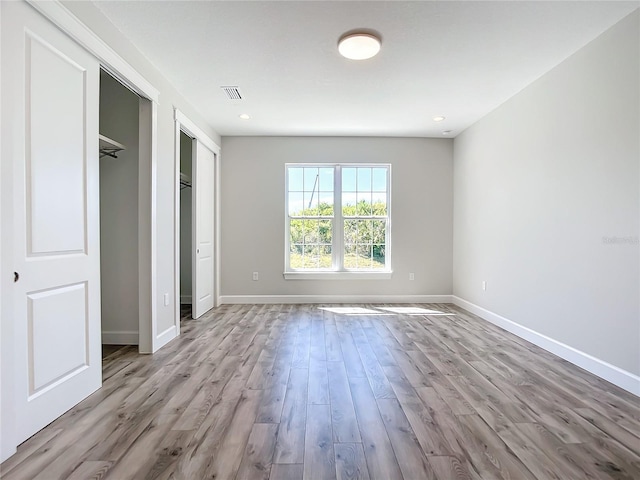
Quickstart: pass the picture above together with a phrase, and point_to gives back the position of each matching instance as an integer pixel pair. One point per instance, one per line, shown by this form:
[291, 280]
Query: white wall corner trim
[120, 337]
[275, 299]
[623, 379]
[112, 61]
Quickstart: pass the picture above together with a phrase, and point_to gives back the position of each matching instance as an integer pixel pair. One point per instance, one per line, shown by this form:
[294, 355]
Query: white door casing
[203, 199]
[53, 142]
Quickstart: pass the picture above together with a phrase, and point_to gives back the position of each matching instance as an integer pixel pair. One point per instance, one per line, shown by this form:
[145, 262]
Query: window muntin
[337, 218]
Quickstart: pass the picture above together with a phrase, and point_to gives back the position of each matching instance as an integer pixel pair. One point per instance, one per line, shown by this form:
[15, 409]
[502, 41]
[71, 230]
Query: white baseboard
[623, 379]
[271, 299]
[120, 337]
[185, 300]
[165, 337]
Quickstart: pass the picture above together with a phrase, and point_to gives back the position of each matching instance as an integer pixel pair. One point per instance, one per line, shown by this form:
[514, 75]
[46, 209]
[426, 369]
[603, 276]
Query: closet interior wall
[119, 120]
[186, 243]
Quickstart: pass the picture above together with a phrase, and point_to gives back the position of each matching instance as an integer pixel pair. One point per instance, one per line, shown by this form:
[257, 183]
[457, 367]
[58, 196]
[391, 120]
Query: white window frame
[337, 271]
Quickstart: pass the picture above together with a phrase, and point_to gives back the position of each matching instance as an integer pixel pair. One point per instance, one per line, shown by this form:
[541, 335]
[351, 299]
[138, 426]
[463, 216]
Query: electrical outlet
[412, 276]
[255, 276]
[166, 299]
[484, 285]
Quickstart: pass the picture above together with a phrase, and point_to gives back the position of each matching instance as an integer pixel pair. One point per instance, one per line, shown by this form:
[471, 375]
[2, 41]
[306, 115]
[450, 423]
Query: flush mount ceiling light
[359, 46]
[439, 118]
[244, 116]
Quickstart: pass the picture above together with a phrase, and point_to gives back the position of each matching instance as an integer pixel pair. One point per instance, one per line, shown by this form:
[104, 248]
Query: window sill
[384, 275]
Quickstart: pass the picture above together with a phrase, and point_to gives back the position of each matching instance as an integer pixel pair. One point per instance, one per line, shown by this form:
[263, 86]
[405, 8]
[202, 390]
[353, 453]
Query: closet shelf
[185, 181]
[108, 147]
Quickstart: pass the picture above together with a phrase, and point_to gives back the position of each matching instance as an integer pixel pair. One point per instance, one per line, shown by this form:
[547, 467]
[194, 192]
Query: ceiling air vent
[233, 93]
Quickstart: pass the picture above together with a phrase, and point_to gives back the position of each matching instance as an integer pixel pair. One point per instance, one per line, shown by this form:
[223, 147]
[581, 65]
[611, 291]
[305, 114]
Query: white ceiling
[457, 59]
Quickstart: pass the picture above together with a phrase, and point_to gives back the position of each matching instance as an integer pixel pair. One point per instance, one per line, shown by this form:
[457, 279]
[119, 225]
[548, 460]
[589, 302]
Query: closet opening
[196, 269]
[119, 127]
[186, 224]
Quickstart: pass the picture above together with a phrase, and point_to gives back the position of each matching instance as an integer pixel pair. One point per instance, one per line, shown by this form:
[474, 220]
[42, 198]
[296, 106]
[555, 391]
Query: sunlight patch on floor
[414, 311]
[353, 311]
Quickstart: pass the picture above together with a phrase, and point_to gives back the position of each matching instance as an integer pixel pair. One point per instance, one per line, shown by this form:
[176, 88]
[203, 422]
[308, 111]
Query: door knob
[16, 277]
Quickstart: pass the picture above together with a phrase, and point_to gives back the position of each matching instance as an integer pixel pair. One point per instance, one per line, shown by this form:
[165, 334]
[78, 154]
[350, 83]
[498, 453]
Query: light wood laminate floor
[295, 391]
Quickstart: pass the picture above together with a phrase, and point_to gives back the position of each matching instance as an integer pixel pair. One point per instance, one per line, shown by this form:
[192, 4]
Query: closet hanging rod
[109, 147]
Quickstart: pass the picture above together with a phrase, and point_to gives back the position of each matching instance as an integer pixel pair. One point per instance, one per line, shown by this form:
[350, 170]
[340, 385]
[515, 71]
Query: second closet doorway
[197, 269]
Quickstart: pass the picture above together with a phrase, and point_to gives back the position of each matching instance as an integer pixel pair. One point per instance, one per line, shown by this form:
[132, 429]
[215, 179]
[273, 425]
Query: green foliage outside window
[364, 239]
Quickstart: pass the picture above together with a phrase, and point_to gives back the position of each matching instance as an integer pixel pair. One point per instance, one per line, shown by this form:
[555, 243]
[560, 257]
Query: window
[337, 220]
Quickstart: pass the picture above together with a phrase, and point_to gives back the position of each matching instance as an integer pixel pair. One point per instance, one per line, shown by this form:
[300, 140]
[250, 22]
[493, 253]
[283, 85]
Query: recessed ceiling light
[359, 46]
[244, 116]
[446, 132]
[439, 118]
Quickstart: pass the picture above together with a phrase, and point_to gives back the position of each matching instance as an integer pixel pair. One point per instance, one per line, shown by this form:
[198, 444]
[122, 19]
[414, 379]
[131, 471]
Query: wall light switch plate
[166, 299]
[255, 276]
[412, 276]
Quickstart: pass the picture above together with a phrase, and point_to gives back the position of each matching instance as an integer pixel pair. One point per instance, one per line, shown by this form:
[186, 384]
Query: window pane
[296, 202]
[379, 180]
[305, 262]
[364, 179]
[364, 204]
[311, 256]
[310, 179]
[364, 255]
[311, 203]
[348, 179]
[379, 203]
[325, 183]
[350, 231]
[349, 200]
[364, 244]
[296, 234]
[295, 179]
[379, 230]
[350, 257]
[295, 256]
[325, 204]
[364, 231]
[310, 231]
[325, 230]
[378, 256]
[325, 260]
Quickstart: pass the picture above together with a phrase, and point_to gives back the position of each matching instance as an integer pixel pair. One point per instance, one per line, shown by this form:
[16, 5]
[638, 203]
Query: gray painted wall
[252, 229]
[119, 209]
[541, 185]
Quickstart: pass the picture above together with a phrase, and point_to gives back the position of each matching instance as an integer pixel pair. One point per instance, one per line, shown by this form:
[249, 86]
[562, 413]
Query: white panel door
[54, 146]
[203, 230]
